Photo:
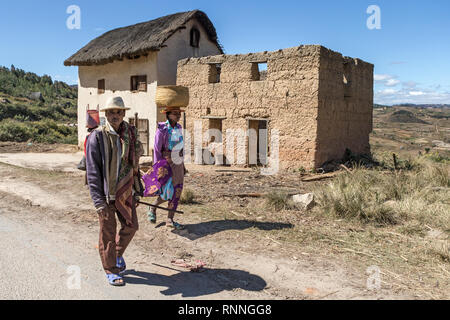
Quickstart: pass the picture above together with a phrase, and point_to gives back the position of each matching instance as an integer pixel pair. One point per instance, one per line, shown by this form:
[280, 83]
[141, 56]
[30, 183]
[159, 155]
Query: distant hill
[36, 108]
[18, 83]
[404, 116]
[375, 106]
[412, 105]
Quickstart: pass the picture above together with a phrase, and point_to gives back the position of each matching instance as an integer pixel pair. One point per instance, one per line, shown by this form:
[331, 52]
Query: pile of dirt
[404, 116]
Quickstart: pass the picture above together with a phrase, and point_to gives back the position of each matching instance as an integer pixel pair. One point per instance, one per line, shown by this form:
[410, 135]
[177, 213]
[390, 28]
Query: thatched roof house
[139, 39]
[131, 61]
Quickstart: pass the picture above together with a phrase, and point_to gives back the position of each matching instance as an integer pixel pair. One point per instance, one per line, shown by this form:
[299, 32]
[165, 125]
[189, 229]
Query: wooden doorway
[258, 147]
[143, 133]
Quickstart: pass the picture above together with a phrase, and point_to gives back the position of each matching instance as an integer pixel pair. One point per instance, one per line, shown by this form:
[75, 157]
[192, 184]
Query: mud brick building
[320, 101]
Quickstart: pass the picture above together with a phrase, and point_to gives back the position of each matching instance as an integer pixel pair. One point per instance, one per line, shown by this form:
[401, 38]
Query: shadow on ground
[195, 284]
[202, 229]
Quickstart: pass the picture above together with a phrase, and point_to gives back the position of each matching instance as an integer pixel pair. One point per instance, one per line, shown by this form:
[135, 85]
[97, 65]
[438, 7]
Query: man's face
[115, 116]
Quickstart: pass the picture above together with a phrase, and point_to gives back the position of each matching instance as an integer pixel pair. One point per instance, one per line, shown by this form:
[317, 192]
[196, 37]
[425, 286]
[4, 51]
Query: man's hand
[107, 211]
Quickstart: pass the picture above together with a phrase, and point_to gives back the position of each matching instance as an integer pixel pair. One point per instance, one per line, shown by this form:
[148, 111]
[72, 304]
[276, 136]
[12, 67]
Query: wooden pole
[395, 161]
[155, 206]
[136, 120]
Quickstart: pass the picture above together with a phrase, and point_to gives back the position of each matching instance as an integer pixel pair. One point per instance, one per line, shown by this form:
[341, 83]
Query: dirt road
[49, 232]
[42, 260]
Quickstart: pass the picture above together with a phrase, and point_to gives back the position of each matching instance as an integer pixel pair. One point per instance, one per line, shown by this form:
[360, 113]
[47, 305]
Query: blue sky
[411, 51]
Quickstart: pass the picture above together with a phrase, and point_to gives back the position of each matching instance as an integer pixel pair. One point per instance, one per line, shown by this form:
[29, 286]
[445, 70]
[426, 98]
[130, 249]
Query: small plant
[436, 157]
[442, 250]
[280, 201]
[187, 196]
[301, 170]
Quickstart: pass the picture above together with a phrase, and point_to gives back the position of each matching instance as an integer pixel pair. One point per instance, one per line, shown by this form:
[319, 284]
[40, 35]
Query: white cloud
[387, 91]
[386, 80]
[409, 84]
[391, 96]
[381, 77]
[392, 82]
[416, 93]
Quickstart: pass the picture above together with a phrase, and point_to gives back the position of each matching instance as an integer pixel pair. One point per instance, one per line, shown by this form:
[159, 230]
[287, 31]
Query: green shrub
[46, 131]
[436, 157]
[11, 130]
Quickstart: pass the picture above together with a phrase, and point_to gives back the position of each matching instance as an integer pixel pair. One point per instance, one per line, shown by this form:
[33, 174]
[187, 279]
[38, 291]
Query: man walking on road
[112, 167]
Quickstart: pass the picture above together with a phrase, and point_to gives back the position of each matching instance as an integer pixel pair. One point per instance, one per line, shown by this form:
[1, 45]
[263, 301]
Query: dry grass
[279, 201]
[390, 197]
[187, 196]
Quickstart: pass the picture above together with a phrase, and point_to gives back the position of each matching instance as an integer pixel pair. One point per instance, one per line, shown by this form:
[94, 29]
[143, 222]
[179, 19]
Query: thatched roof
[138, 39]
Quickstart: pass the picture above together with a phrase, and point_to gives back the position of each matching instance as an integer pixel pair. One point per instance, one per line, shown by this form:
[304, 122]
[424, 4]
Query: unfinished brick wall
[345, 106]
[290, 98]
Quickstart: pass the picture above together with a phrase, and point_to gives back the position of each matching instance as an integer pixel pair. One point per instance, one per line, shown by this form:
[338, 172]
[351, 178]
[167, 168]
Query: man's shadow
[194, 284]
[202, 229]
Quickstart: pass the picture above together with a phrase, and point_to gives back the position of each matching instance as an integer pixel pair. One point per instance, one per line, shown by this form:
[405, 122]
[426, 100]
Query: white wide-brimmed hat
[115, 103]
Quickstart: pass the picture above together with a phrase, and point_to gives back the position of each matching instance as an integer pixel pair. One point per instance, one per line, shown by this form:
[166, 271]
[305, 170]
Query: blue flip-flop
[120, 263]
[151, 216]
[175, 225]
[112, 277]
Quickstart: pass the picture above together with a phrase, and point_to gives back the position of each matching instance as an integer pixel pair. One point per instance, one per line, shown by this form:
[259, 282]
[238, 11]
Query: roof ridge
[139, 38]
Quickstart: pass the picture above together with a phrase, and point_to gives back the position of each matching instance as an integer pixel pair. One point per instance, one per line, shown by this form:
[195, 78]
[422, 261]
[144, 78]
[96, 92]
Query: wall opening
[138, 83]
[215, 130]
[259, 71]
[347, 79]
[214, 72]
[143, 131]
[212, 151]
[347, 84]
[258, 147]
[194, 37]
[101, 86]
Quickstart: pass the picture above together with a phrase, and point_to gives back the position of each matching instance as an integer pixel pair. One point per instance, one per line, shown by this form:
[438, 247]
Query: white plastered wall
[117, 83]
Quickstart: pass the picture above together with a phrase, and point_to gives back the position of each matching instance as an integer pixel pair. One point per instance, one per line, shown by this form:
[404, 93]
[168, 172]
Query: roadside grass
[420, 193]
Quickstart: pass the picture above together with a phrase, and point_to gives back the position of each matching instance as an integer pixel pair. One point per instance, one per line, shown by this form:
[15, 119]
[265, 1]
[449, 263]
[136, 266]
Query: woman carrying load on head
[165, 178]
